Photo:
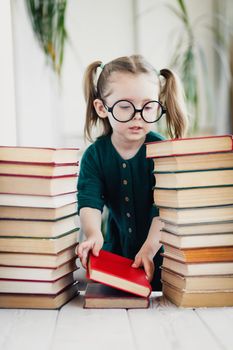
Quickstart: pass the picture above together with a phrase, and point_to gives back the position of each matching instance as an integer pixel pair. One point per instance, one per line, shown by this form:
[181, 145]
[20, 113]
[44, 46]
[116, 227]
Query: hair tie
[99, 70]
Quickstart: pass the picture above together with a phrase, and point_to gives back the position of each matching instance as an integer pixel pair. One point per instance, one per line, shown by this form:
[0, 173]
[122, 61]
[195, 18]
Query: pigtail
[172, 97]
[90, 94]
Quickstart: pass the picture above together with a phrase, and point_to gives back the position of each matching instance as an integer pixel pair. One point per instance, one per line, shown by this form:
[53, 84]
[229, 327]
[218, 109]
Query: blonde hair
[170, 94]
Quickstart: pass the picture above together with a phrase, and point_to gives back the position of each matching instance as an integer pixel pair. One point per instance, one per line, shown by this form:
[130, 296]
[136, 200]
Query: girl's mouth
[135, 128]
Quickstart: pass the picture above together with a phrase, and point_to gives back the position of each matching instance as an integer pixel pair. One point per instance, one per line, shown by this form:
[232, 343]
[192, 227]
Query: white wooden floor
[163, 326]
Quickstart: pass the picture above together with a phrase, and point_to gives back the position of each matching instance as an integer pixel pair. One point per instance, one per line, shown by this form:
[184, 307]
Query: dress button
[125, 182]
[128, 215]
[130, 229]
[124, 165]
[127, 199]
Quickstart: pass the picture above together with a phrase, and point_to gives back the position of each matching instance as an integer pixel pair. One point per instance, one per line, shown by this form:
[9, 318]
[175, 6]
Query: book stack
[38, 226]
[194, 193]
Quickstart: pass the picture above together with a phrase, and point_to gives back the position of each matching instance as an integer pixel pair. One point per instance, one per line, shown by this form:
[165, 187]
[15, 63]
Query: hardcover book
[37, 185]
[34, 201]
[38, 169]
[37, 259]
[37, 273]
[197, 145]
[197, 241]
[197, 178]
[195, 162]
[199, 255]
[205, 282]
[117, 271]
[38, 301]
[39, 154]
[51, 245]
[38, 228]
[100, 296]
[196, 215]
[194, 269]
[211, 298]
[193, 197]
[200, 229]
[32, 213]
[35, 287]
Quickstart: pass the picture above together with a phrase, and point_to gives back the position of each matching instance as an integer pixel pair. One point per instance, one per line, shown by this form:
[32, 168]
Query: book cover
[100, 296]
[194, 145]
[39, 154]
[38, 201]
[38, 301]
[116, 271]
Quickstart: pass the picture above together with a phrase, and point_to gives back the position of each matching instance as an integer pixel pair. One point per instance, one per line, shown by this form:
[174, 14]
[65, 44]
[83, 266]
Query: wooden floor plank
[169, 328]
[79, 328]
[27, 329]
[220, 323]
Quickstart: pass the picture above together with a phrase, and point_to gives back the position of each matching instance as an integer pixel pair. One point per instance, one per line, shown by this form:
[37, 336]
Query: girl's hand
[94, 243]
[145, 258]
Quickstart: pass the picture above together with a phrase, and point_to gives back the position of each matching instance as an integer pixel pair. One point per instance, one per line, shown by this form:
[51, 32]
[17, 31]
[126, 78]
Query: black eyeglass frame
[110, 109]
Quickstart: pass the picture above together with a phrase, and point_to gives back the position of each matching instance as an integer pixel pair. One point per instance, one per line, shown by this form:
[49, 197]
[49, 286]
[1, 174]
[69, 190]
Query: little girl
[125, 97]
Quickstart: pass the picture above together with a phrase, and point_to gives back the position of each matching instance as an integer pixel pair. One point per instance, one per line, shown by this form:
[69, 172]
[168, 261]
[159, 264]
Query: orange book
[199, 255]
[116, 271]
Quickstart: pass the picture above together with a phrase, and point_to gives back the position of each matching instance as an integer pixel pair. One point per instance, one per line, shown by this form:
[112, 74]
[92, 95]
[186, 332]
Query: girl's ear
[100, 109]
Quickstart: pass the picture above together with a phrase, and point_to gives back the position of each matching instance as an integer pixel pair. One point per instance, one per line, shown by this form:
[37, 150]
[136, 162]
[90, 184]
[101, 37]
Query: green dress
[125, 187]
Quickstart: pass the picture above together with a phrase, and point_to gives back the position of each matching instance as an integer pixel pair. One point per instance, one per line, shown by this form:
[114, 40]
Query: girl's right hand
[94, 244]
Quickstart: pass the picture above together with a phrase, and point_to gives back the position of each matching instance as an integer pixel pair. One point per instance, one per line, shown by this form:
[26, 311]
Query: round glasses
[124, 110]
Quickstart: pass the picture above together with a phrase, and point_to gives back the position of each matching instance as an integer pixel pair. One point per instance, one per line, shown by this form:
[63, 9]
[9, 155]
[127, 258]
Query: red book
[117, 271]
[195, 145]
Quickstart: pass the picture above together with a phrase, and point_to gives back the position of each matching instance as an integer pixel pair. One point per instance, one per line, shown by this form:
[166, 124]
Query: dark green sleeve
[90, 181]
[154, 211]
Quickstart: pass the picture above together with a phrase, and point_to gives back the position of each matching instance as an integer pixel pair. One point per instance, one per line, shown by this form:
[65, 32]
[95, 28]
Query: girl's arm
[90, 220]
[150, 247]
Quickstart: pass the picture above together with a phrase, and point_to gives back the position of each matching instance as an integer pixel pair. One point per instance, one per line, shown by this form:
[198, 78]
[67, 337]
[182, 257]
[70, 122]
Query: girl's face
[136, 88]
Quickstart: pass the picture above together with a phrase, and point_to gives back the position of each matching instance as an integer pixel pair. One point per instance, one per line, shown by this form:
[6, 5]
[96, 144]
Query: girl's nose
[137, 114]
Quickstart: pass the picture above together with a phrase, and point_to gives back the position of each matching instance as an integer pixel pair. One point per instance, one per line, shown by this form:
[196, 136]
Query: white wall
[99, 30]
[7, 92]
[49, 113]
[158, 30]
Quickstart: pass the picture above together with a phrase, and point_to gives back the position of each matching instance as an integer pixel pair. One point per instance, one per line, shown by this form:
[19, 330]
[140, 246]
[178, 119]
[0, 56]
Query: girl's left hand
[145, 259]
